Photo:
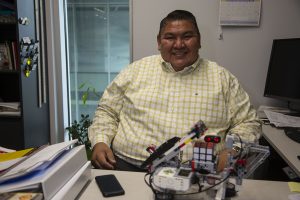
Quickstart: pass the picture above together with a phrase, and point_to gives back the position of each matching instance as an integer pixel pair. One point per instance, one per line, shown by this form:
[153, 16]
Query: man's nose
[179, 43]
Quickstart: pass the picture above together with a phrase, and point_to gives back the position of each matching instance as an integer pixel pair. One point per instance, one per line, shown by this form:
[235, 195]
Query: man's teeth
[178, 53]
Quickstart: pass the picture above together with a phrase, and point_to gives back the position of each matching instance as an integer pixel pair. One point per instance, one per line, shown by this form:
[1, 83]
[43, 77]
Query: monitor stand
[293, 133]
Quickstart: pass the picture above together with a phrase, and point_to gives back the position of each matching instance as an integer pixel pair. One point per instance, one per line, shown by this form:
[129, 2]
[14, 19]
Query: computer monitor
[283, 78]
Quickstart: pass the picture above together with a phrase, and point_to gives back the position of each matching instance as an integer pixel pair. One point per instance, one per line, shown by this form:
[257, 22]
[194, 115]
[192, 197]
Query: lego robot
[169, 177]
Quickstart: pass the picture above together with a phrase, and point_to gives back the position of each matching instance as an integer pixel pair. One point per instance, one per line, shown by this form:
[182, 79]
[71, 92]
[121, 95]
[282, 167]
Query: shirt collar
[166, 66]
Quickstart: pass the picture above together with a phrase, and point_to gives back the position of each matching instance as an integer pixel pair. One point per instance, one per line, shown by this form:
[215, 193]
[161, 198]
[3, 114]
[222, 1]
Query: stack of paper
[21, 196]
[10, 108]
[39, 160]
[261, 111]
[9, 159]
[282, 120]
[46, 170]
[6, 150]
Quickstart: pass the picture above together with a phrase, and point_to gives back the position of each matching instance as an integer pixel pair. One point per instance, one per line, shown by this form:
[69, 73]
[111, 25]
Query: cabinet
[30, 128]
[284, 151]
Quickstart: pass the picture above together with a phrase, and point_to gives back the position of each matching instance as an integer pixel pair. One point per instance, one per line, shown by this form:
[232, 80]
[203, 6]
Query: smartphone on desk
[109, 185]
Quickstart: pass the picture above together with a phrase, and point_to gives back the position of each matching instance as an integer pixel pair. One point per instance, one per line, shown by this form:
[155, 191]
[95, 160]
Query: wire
[146, 180]
[200, 190]
[208, 188]
[242, 149]
[150, 182]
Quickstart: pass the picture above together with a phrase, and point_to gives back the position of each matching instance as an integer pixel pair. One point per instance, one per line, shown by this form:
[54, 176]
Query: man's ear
[158, 47]
[199, 42]
[158, 42]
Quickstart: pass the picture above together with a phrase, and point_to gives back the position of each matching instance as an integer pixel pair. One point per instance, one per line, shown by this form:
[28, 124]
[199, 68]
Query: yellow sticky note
[294, 186]
[14, 155]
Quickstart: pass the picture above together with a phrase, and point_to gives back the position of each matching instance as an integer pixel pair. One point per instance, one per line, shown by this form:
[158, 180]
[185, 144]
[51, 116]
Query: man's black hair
[178, 15]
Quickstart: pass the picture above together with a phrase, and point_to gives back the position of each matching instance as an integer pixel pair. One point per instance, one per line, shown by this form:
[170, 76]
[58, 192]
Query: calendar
[239, 12]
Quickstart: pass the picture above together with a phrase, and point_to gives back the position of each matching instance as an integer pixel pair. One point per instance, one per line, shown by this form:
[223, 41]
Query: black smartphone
[109, 185]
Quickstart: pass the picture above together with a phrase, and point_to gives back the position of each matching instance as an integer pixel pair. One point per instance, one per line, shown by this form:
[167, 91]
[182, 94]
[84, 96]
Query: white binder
[75, 185]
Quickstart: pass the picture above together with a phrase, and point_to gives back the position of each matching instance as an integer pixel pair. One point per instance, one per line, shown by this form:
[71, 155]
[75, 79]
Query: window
[98, 47]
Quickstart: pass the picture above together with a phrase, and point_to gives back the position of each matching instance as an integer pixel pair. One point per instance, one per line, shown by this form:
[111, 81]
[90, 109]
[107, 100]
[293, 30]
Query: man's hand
[103, 157]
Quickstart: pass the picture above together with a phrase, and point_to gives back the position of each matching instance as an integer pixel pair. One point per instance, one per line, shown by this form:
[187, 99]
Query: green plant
[79, 131]
[88, 91]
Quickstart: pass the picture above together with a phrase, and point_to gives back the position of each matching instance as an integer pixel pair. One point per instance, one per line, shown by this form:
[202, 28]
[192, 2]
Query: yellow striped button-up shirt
[149, 103]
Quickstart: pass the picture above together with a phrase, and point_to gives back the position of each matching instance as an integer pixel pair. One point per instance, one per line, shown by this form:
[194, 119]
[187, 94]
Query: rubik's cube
[203, 157]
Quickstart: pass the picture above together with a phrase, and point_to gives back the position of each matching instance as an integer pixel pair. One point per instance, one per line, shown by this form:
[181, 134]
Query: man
[162, 96]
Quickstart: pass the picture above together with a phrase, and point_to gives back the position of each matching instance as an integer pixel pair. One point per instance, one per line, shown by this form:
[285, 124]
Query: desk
[284, 146]
[136, 189]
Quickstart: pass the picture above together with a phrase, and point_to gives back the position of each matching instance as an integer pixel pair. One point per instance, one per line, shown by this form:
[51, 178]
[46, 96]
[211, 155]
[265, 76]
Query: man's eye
[186, 37]
[169, 38]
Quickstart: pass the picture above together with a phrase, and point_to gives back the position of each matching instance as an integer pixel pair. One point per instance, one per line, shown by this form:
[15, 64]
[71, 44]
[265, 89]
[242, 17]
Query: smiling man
[162, 96]
[179, 42]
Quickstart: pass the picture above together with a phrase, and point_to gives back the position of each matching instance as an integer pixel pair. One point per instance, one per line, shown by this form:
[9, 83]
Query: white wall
[244, 51]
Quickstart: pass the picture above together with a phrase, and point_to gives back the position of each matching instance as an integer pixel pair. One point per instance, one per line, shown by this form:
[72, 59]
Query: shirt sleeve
[244, 119]
[106, 119]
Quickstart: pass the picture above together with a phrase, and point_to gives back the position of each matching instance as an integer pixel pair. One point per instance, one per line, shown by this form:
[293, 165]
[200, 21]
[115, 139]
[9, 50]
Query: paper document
[8, 160]
[294, 196]
[7, 164]
[281, 120]
[46, 155]
[10, 108]
[261, 110]
[6, 150]
[14, 155]
[294, 186]
[53, 177]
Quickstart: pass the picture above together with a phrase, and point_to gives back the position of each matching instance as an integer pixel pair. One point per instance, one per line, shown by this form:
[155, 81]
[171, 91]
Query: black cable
[150, 182]
[208, 188]
[200, 186]
[199, 191]
[145, 179]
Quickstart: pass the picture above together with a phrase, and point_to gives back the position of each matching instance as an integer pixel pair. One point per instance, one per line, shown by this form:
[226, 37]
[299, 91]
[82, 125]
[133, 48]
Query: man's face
[179, 43]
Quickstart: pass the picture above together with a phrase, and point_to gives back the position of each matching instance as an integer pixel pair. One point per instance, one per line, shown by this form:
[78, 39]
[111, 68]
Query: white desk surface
[285, 147]
[136, 189]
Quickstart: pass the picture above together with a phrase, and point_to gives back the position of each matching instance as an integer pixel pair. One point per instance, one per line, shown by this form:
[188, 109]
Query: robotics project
[169, 177]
